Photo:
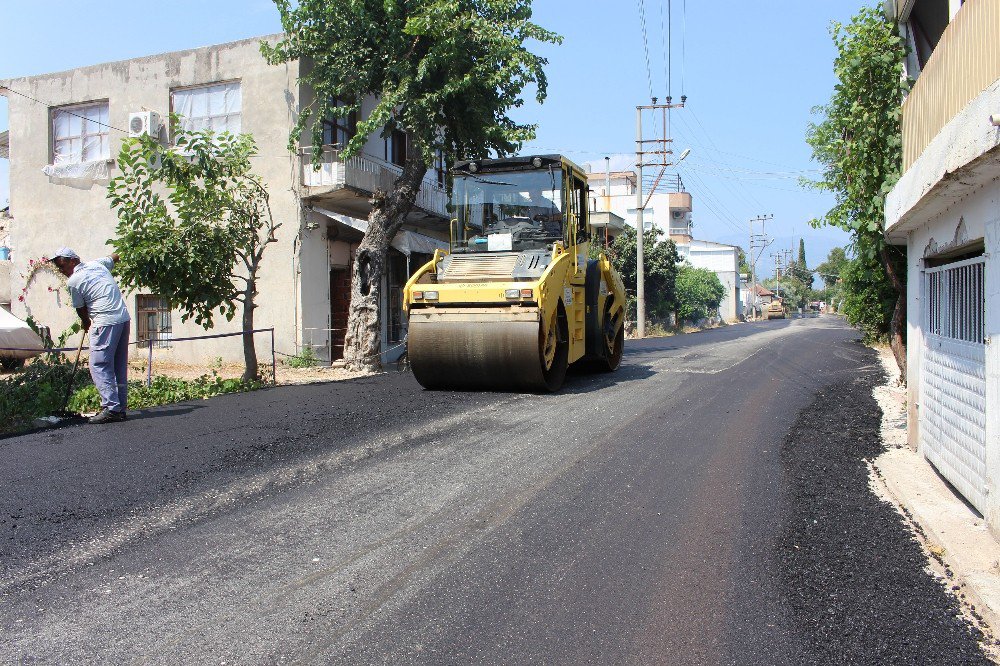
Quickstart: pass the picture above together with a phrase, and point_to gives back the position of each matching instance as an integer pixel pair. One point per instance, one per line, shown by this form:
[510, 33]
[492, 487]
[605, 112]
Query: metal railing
[367, 174]
[965, 62]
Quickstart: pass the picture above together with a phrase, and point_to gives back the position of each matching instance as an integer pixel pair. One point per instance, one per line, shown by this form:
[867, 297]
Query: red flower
[21, 298]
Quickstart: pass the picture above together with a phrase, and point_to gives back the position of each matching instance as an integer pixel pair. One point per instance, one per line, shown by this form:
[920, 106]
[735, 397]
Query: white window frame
[91, 130]
[231, 119]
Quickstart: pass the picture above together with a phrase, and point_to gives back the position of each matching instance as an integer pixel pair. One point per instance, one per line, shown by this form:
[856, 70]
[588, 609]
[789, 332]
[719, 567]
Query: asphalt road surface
[639, 517]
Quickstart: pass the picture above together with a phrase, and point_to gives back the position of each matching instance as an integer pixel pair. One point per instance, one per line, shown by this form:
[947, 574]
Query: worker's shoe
[107, 416]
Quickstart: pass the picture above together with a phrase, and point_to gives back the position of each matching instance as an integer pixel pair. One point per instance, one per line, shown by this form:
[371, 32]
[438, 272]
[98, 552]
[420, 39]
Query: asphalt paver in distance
[853, 571]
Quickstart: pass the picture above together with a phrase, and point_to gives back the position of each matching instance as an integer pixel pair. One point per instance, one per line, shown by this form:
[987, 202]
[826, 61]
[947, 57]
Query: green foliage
[163, 391]
[305, 359]
[800, 269]
[832, 269]
[859, 144]
[868, 298]
[37, 390]
[201, 243]
[660, 264]
[699, 292]
[186, 244]
[444, 71]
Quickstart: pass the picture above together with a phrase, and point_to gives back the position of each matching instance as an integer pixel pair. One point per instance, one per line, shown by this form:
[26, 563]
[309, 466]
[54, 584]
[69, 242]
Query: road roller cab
[517, 299]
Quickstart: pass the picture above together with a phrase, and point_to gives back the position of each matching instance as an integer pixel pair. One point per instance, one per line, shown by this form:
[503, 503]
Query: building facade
[65, 132]
[946, 210]
[670, 209]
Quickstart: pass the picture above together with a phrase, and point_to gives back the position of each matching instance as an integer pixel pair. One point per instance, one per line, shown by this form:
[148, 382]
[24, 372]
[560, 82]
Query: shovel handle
[72, 377]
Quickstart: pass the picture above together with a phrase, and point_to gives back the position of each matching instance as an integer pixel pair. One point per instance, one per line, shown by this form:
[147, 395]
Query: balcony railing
[366, 174]
[964, 63]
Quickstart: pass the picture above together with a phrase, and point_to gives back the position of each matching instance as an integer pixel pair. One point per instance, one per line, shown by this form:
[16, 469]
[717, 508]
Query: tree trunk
[363, 341]
[250, 372]
[897, 328]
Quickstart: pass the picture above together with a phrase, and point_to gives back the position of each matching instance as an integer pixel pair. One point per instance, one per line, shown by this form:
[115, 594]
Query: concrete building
[670, 209]
[945, 210]
[66, 129]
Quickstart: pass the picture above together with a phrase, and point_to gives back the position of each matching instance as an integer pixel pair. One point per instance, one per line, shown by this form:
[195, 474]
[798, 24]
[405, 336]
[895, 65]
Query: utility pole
[660, 155]
[757, 241]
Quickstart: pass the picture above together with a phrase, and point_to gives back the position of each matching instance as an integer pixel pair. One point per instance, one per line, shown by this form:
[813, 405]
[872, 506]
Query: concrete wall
[50, 215]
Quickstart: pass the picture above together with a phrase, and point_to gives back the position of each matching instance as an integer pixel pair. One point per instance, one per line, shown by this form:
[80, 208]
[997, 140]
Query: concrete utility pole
[660, 155]
[757, 241]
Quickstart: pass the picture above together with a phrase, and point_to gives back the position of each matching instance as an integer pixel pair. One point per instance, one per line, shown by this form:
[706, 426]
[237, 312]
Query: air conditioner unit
[678, 214]
[144, 122]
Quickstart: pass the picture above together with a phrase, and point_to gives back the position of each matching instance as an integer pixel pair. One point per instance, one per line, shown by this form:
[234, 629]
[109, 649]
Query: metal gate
[953, 376]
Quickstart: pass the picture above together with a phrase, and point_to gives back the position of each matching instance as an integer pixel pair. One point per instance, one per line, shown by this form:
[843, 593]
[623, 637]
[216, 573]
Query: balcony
[964, 63]
[347, 187]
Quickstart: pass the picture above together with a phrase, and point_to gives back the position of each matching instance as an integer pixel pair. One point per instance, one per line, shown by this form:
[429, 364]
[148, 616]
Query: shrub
[36, 391]
[163, 391]
[306, 359]
[699, 292]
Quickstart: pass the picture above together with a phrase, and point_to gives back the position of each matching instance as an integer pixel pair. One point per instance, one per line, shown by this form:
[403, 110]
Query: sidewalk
[952, 532]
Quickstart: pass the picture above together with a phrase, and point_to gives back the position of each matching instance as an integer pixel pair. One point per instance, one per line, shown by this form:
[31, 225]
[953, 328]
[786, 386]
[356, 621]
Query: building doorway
[340, 306]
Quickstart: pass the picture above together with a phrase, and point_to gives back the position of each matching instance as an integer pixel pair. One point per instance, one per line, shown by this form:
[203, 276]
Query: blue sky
[752, 72]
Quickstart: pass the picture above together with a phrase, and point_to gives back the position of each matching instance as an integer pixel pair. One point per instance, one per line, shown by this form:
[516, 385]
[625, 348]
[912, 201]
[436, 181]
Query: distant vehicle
[775, 310]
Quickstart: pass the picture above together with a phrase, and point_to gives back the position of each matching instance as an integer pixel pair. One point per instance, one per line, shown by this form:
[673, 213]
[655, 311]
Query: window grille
[153, 323]
[80, 134]
[215, 107]
[955, 299]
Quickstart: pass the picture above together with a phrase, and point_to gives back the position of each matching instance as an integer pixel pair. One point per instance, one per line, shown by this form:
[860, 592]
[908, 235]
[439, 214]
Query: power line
[66, 111]
[645, 43]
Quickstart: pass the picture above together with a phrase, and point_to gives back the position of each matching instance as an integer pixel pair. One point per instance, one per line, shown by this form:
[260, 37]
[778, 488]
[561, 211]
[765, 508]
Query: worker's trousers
[109, 364]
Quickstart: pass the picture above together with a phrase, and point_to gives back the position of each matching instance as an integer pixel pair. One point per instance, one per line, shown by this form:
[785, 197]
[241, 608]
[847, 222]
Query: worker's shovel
[72, 378]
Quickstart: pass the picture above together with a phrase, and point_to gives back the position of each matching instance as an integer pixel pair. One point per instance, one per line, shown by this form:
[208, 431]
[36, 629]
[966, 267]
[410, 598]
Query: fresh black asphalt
[649, 516]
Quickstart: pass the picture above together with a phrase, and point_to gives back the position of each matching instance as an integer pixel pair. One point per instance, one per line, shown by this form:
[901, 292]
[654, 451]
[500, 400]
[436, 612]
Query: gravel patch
[855, 577]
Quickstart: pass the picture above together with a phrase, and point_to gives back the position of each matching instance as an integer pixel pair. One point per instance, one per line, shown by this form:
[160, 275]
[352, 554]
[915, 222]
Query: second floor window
[80, 134]
[339, 130]
[215, 107]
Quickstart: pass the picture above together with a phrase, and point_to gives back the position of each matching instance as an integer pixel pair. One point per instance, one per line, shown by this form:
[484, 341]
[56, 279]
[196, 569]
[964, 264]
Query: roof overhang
[963, 157]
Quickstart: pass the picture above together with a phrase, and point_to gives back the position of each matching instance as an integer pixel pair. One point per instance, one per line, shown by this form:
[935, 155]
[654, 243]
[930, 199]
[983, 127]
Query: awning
[407, 242]
[5, 145]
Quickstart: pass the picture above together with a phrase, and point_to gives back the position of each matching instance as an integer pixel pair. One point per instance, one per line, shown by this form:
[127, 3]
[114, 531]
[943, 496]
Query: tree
[831, 270]
[801, 269]
[869, 300]
[201, 244]
[446, 72]
[660, 260]
[699, 292]
[859, 144]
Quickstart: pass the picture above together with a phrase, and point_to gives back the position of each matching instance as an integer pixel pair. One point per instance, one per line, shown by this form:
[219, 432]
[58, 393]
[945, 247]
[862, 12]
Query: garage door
[953, 376]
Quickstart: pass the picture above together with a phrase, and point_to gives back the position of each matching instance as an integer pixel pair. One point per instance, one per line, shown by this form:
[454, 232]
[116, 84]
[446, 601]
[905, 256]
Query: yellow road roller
[516, 300]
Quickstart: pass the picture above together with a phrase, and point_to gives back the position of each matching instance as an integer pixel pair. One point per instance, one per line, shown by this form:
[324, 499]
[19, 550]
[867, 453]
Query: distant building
[724, 261]
[669, 209]
[944, 209]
